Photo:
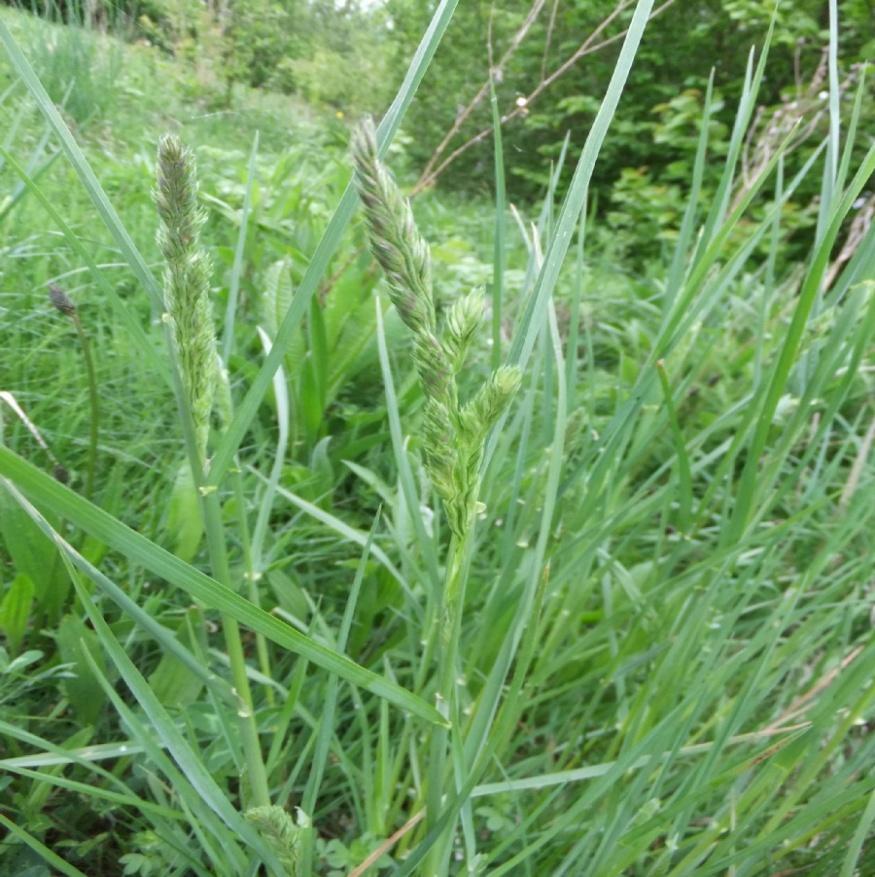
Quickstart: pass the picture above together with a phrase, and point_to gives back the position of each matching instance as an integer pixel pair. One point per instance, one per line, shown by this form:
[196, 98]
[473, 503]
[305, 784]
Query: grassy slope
[658, 632]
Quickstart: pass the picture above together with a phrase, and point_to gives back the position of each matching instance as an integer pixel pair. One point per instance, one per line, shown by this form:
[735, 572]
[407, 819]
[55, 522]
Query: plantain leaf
[34, 556]
[15, 609]
[82, 688]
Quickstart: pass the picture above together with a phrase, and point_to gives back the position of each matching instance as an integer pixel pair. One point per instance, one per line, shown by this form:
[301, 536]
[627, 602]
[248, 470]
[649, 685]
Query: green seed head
[396, 242]
[453, 437]
[187, 280]
[463, 320]
[281, 833]
[479, 415]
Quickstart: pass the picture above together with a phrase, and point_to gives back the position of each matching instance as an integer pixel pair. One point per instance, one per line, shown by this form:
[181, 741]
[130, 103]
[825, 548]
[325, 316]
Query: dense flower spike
[463, 320]
[453, 435]
[396, 242]
[187, 280]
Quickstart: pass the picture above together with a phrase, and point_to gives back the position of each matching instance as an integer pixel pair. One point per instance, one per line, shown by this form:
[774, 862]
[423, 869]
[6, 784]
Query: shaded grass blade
[40, 848]
[46, 492]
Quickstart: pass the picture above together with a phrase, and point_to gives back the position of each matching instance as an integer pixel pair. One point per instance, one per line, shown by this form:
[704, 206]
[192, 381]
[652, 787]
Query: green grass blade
[40, 848]
[575, 199]
[237, 267]
[864, 827]
[188, 760]
[787, 356]
[283, 417]
[402, 463]
[95, 191]
[93, 790]
[499, 256]
[350, 534]
[164, 637]
[136, 331]
[326, 721]
[45, 492]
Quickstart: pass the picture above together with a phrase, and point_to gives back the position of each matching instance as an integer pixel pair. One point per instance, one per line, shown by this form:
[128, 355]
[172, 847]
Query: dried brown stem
[387, 845]
[495, 72]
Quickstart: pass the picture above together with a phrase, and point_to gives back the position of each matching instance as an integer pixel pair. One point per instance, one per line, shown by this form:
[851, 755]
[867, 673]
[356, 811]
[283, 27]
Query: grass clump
[453, 434]
[603, 608]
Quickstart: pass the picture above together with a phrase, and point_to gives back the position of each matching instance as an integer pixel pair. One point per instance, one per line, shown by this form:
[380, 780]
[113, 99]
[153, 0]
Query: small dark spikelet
[396, 243]
[61, 300]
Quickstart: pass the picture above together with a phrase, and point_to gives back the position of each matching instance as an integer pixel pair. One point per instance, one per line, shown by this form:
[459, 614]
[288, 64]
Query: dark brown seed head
[61, 300]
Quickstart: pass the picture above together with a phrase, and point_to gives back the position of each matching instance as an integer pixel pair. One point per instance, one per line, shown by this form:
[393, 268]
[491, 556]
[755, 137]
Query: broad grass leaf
[185, 526]
[83, 689]
[15, 610]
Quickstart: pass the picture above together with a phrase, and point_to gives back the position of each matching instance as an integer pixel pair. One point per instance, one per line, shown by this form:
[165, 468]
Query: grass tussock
[565, 576]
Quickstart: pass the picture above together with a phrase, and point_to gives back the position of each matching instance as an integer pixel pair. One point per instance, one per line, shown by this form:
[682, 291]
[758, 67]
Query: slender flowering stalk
[193, 339]
[453, 433]
[65, 305]
[187, 281]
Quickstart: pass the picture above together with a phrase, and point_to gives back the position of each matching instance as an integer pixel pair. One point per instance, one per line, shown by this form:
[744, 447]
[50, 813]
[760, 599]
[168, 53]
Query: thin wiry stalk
[63, 303]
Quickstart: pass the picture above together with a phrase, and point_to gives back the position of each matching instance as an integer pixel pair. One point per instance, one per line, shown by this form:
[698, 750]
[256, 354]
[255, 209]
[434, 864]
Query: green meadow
[521, 526]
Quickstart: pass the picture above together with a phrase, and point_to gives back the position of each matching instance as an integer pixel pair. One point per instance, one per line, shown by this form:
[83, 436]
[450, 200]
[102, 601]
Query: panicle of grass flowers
[453, 434]
[187, 280]
[280, 831]
[463, 321]
[397, 244]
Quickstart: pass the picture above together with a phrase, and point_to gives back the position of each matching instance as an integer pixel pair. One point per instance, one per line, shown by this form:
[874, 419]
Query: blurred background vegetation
[551, 60]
